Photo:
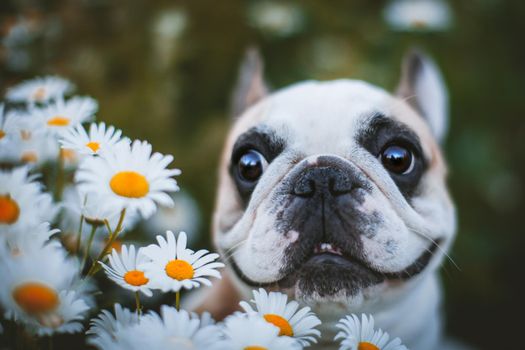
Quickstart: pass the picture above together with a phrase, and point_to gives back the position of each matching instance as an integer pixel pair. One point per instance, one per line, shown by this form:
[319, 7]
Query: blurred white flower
[292, 322]
[418, 15]
[28, 239]
[123, 270]
[105, 331]
[38, 291]
[183, 216]
[98, 139]
[57, 116]
[41, 89]
[22, 202]
[360, 334]
[276, 18]
[251, 332]
[173, 266]
[130, 177]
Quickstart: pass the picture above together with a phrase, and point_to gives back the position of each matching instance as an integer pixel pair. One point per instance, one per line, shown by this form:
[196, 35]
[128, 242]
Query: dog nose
[331, 181]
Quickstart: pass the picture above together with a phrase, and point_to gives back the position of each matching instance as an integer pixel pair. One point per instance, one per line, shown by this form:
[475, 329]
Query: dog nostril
[304, 188]
[340, 186]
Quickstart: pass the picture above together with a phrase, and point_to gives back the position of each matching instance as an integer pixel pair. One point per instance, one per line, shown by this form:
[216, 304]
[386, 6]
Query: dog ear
[250, 86]
[422, 86]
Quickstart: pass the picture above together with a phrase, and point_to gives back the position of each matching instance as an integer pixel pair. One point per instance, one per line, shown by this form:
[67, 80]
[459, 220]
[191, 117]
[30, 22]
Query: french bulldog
[335, 193]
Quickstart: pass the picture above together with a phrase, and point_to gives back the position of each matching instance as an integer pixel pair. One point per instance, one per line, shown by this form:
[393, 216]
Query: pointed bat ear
[422, 86]
[250, 87]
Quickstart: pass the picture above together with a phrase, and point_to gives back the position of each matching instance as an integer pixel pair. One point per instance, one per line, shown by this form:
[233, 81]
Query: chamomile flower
[38, 291]
[41, 89]
[360, 334]
[22, 202]
[61, 114]
[174, 329]
[98, 139]
[172, 266]
[291, 321]
[105, 331]
[130, 177]
[418, 15]
[29, 239]
[123, 270]
[249, 332]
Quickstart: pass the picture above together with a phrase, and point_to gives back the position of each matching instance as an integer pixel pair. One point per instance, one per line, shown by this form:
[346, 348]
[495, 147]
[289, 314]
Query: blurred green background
[163, 71]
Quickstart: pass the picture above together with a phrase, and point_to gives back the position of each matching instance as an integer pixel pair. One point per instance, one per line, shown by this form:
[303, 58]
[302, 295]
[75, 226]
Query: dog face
[335, 191]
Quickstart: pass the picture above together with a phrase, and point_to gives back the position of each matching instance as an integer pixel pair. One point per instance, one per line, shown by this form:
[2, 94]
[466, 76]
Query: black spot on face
[381, 136]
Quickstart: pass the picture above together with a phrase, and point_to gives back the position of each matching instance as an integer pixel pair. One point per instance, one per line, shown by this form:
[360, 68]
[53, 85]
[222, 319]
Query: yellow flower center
[366, 346]
[129, 184]
[93, 145]
[58, 121]
[281, 323]
[135, 278]
[35, 298]
[255, 347]
[39, 94]
[117, 245]
[25, 134]
[419, 24]
[179, 270]
[29, 157]
[9, 210]
[2, 134]
[68, 154]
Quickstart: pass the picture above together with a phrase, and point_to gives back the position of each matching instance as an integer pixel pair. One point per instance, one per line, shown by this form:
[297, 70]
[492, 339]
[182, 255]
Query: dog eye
[397, 159]
[251, 166]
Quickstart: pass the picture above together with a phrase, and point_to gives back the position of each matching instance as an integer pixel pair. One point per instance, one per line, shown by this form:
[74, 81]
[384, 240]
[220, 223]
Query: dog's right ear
[250, 87]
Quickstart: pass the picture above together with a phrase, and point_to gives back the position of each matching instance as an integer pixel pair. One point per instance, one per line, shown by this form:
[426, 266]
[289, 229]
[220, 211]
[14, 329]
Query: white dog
[335, 193]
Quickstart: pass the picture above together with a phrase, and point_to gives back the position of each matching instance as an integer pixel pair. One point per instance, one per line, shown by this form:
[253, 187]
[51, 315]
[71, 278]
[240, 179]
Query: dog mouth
[330, 267]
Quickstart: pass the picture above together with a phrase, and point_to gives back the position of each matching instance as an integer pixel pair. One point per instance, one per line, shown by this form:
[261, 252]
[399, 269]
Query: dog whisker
[424, 235]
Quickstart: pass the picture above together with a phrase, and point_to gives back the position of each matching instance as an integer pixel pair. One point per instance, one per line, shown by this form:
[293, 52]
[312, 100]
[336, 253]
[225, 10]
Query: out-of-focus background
[163, 71]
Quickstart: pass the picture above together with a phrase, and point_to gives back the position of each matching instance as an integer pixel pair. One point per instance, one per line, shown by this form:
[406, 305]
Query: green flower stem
[88, 246]
[79, 235]
[95, 267]
[177, 300]
[137, 301]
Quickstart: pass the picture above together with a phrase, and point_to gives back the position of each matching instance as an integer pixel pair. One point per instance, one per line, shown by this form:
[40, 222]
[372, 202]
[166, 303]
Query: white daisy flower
[37, 291]
[173, 266]
[16, 124]
[29, 239]
[22, 202]
[249, 332]
[276, 18]
[123, 270]
[360, 335]
[418, 15]
[61, 114]
[130, 177]
[41, 89]
[174, 330]
[106, 330]
[273, 307]
[98, 139]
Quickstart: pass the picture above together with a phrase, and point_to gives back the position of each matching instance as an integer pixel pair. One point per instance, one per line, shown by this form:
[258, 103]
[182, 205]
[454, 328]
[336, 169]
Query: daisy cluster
[70, 190]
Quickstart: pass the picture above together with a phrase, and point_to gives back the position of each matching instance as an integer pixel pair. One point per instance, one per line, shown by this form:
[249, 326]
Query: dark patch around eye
[382, 132]
[264, 140]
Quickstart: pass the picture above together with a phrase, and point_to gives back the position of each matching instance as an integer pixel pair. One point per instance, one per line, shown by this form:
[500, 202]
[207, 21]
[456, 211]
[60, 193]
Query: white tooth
[328, 246]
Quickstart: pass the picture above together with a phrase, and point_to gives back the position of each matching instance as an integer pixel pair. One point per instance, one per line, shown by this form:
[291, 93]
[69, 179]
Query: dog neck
[414, 317]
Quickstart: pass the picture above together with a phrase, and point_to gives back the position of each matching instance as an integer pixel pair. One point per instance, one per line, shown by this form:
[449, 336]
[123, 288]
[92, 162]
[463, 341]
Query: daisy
[22, 202]
[273, 307]
[98, 139]
[42, 298]
[174, 329]
[419, 15]
[248, 332]
[172, 266]
[61, 114]
[360, 335]
[16, 124]
[105, 331]
[28, 240]
[130, 177]
[123, 270]
[41, 89]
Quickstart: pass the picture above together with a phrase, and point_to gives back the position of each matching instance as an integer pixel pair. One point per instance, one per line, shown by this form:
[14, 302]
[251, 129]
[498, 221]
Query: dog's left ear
[251, 86]
[422, 86]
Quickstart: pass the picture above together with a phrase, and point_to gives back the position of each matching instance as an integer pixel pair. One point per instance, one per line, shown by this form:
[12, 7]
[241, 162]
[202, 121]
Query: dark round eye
[397, 159]
[251, 166]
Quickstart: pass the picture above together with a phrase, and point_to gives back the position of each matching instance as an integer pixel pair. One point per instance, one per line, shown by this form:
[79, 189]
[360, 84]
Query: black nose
[331, 181]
